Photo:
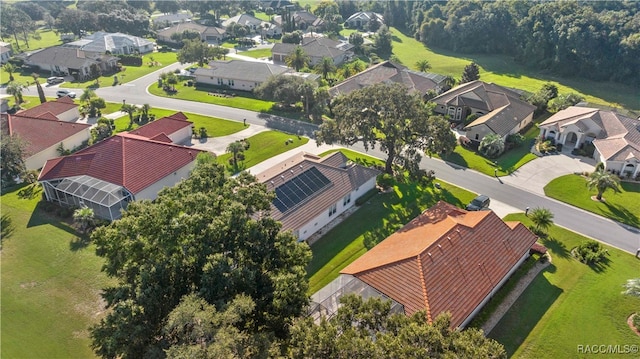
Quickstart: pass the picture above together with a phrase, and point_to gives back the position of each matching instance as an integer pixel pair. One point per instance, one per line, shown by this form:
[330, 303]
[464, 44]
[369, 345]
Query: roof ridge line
[423, 284]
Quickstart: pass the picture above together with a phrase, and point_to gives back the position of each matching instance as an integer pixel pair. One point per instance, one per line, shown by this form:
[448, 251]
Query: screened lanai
[106, 199]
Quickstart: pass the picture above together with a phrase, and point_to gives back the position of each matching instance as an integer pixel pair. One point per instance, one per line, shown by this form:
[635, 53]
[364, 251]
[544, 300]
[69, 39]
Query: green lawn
[504, 71]
[129, 74]
[244, 101]
[263, 146]
[216, 127]
[623, 207]
[380, 216]
[570, 303]
[51, 284]
[258, 53]
[48, 38]
[508, 162]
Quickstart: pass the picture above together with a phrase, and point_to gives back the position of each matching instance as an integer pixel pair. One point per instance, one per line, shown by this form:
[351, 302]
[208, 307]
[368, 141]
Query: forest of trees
[594, 40]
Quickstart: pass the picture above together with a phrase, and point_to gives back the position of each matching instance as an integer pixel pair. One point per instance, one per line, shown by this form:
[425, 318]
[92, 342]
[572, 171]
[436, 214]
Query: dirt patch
[28, 285]
[630, 323]
[595, 199]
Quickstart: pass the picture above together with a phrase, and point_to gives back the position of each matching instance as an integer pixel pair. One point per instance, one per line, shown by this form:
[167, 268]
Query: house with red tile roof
[616, 138]
[499, 109]
[445, 260]
[64, 109]
[172, 129]
[43, 135]
[120, 169]
[312, 191]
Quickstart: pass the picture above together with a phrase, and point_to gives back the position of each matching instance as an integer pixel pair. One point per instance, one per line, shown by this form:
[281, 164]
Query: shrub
[130, 60]
[365, 197]
[636, 321]
[515, 139]
[385, 180]
[590, 252]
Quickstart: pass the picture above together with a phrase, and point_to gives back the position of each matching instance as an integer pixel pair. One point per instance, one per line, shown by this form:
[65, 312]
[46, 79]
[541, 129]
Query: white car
[55, 80]
[64, 92]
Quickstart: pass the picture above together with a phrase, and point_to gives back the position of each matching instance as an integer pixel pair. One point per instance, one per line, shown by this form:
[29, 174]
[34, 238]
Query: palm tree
[87, 95]
[235, 148]
[144, 112]
[35, 77]
[83, 217]
[325, 67]
[10, 69]
[130, 110]
[423, 65]
[492, 145]
[542, 218]
[632, 287]
[602, 181]
[297, 59]
[15, 89]
[449, 82]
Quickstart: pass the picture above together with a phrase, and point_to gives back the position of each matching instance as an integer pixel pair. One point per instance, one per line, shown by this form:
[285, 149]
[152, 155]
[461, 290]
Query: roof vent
[291, 171]
[282, 176]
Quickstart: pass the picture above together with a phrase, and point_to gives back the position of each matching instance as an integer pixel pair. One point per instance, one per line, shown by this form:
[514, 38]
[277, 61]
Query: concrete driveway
[533, 176]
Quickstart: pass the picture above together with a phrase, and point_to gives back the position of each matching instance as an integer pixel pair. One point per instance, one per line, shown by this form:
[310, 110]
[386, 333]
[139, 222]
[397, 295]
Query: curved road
[608, 231]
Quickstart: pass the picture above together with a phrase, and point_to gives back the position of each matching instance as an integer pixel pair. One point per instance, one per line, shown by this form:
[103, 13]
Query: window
[219, 81]
[458, 113]
[477, 136]
[333, 210]
[346, 199]
[452, 111]
[231, 82]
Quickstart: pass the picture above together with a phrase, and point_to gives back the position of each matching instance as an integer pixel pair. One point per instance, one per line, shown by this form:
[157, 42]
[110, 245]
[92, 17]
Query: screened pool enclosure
[106, 199]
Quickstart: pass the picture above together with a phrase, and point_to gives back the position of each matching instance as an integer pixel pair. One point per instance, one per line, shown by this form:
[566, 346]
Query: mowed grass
[623, 207]
[51, 283]
[216, 127]
[508, 162]
[131, 72]
[263, 146]
[257, 53]
[502, 70]
[198, 94]
[346, 242]
[570, 303]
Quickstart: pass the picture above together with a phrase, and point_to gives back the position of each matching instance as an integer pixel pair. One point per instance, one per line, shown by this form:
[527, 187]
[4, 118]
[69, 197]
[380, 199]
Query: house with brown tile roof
[312, 191]
[616, 137]
[316, 48]
[115, 171]
[390, 72]
[171, 129]
[64, 109]
[445, 260]
[209, 34]
[500, 110]
[238, 74]
[43, 135]
[64, 60]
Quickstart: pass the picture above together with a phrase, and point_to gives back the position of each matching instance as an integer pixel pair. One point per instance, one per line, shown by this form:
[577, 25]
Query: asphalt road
[611, 232]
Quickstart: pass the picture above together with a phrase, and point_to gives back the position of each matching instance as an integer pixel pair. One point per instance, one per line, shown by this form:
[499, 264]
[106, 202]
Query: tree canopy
[207, 235]
[367, 329]
[12, 159]
[386, 115]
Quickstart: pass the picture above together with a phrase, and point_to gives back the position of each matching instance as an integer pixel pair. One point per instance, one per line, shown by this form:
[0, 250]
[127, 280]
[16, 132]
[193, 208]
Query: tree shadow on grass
[526, 312]
[30, 192]
[601, 266]
[288, 125]
[557, 247]
[621, 214]
[6, 228]
[455, 160]
[80, 242]
[40, 217]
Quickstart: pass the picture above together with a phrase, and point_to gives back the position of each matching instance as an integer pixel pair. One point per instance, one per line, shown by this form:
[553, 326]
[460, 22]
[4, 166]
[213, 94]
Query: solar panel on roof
[299, 188]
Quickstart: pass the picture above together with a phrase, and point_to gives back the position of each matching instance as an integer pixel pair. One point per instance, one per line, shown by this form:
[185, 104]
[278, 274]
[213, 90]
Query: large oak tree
[209, 235]
[386, 115]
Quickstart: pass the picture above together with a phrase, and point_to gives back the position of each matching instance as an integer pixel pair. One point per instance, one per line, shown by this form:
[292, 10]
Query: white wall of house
[151, 192]
[37, 160]
[236, 84]
[476, 133]
[70, 115]
[182, 136]
[346, 202]
[494, 290]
